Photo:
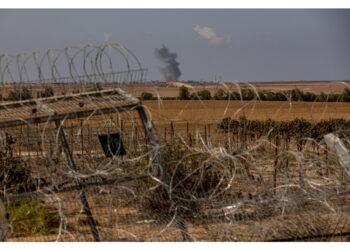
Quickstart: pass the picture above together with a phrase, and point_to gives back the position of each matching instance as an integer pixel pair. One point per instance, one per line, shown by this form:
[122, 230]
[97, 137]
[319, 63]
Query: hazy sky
[231, 44]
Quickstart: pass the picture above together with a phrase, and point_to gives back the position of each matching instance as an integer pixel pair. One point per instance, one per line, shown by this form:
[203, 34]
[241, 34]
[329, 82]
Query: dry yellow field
[194, 110]
[172, 89]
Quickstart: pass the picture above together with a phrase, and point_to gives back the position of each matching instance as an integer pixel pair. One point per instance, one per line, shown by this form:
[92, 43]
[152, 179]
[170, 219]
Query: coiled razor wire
[106, 63]
[241, 188]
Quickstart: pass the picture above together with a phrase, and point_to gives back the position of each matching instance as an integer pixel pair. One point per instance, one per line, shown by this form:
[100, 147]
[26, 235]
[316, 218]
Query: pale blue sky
[258, 45]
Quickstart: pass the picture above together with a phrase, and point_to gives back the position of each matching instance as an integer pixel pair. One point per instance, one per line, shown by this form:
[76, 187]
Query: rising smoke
[171, 72]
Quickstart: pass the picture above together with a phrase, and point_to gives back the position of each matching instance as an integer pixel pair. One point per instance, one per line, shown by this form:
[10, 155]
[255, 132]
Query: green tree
[322, 97]
[20, 94]
[296, 94]
[15, 176]
[184, 94]
[220, 95]
[204, 94]
[346, 95]
[248, 94]
[146, 96]
[95, 87]
[48, 92]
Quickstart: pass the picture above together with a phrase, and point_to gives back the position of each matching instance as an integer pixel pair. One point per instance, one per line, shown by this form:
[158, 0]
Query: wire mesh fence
[93, 166]
[227, 195]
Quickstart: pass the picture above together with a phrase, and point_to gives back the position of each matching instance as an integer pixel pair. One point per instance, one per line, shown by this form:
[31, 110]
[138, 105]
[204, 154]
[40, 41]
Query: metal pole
[147, 125]
[172, 131]
[187, 130]
[165, 134]
[82, 194]
[3, 222]
[82, 137]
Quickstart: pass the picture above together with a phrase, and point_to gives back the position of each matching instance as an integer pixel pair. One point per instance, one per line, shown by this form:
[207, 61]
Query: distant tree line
[264, 95]
[24, 93]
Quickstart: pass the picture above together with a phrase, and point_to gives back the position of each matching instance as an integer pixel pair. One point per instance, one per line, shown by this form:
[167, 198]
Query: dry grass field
[268, 192]
[311, 86]
[195, 110]
[172, 89]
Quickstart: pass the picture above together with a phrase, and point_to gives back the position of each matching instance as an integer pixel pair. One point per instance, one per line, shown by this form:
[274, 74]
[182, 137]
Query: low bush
[194, 180]
[146, 96]
[201, 95]
[47, 92]
[15, 176]
[299, 129]
[184, 93]
[96, 87]
[29, 217]
[20, 94]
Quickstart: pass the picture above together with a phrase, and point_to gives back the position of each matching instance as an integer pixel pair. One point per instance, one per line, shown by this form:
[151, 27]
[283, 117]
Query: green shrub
[20, 94]
[96, 87]
[30, 217]
[202, 95]
[48, 92]
[298, 129]
[184, 93]
[220, 95]
[15, 176]
[146, 96]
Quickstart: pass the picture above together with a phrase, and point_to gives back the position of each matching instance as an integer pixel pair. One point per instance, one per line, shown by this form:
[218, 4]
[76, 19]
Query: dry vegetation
[196, 110]
[172, 89]
[225, 185]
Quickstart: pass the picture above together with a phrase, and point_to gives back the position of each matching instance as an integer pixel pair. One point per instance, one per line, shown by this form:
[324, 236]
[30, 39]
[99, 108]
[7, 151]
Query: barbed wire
[60, 182]
[106, 63]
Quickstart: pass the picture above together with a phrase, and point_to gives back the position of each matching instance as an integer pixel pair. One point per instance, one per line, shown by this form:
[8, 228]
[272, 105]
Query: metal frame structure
[50, 112]
[90, 64]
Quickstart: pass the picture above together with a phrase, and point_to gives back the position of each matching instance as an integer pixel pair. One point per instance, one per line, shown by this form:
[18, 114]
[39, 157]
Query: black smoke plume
[171, 72]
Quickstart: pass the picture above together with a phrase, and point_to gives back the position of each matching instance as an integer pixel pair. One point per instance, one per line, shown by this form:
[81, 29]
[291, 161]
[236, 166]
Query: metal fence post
[3, 222]
[147, 125]
[82, 194]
